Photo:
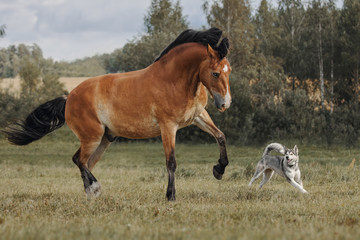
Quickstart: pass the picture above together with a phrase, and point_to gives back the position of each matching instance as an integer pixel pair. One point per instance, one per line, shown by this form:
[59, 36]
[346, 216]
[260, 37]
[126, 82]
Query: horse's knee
[76, 157]
[221, 139]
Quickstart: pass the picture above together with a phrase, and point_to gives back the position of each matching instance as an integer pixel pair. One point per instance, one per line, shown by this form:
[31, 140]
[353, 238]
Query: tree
[333, 12]
[39, 81]
[50, 85]
[2, 31]
[234, 18]
[13, 57]
[270, 76]
[163, 16]
[291, 19]
[349, 48]
[267, 29]
[86, 67]
[112, 62]
[163, 23]
[318, 32]
[30, 78]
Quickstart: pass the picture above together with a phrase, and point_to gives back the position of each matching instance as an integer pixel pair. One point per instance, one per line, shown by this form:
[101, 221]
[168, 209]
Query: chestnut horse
[168, 95]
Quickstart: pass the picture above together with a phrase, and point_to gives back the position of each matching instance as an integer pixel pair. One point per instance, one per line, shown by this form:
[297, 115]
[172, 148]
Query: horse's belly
[135, 128]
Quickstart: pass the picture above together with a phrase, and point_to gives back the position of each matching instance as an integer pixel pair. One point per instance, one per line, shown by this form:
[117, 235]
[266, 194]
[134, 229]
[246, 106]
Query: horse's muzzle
[222, 103]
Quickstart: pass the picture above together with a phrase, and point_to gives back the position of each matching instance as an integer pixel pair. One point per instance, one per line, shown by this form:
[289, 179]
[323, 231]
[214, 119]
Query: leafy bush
[38, 85]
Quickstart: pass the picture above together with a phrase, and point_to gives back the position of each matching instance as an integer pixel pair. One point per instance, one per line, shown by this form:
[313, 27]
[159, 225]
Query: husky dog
[286, 166]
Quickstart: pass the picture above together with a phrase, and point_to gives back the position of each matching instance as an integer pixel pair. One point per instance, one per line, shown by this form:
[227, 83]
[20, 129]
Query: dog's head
[292, 156]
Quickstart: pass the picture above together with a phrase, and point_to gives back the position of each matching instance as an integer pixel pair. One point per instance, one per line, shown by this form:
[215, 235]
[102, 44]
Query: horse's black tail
[43, 120]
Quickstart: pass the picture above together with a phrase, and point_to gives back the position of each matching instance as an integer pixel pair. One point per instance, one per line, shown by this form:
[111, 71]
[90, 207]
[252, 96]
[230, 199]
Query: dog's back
[273, 162]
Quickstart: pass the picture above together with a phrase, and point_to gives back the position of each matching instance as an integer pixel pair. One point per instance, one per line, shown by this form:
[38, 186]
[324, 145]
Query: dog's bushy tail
[43, 120]
[274, 146]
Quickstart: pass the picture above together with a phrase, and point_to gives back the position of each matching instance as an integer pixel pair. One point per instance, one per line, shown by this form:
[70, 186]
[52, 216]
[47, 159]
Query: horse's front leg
[204, 122]
[168, 134]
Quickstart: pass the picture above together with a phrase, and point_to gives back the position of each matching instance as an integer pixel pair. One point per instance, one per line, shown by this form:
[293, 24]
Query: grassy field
[42, 197]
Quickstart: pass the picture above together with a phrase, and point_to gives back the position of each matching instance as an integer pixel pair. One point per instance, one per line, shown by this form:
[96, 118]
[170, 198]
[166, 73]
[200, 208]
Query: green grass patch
[42, 197]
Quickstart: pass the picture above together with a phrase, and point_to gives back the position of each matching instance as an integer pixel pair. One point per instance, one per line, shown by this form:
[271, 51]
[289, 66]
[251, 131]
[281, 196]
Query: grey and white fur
[286, 166]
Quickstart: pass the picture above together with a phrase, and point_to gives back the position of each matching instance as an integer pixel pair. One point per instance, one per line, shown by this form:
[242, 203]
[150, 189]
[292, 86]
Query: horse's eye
[216, 74]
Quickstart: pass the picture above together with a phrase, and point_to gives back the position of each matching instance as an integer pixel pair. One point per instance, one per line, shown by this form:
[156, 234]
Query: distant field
[42, 197]
[14, 83]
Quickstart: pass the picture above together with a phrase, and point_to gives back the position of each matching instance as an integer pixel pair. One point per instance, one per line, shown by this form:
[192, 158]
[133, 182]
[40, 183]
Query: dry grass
[71, 82]
[13, 84]
[41, 195]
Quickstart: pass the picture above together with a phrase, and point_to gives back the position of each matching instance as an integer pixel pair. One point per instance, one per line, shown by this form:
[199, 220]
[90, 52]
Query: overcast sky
[71, 29]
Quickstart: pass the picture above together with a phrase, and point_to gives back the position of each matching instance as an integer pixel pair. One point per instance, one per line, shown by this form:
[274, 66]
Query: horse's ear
[211, 53]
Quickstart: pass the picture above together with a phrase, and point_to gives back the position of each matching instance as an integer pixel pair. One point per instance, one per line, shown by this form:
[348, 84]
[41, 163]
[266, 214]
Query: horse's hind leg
[90, 151]
[91, 185]
[95, 157]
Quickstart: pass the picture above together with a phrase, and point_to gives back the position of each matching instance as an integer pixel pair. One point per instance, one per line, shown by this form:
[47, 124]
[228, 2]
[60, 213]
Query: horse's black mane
[211, 36]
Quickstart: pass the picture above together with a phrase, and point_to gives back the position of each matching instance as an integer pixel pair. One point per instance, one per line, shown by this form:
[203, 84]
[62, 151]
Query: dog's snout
[287, 157]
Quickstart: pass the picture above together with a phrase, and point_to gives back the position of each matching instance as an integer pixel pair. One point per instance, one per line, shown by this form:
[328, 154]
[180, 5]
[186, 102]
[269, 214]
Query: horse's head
[214, 74]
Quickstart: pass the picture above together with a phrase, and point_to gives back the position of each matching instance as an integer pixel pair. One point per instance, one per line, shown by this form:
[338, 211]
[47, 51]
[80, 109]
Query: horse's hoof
[94, 190]
[171, 197]
[217, 172]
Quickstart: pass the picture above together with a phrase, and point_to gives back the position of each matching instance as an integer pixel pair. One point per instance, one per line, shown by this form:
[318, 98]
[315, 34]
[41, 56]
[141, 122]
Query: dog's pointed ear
[296, 149]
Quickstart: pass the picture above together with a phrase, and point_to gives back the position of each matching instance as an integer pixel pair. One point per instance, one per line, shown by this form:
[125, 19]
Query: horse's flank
[133, 104]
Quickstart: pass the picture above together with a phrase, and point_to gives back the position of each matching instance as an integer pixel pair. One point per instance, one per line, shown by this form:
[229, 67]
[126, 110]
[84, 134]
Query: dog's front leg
[298, 186]
[297, 178]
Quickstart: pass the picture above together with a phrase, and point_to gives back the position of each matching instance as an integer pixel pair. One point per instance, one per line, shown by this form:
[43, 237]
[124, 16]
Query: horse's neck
[183, 66]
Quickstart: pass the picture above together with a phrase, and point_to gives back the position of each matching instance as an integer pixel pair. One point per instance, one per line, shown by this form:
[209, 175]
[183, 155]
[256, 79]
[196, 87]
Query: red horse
[167, 95]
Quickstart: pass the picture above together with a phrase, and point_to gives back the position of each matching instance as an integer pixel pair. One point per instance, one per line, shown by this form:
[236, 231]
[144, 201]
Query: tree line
[295, 67]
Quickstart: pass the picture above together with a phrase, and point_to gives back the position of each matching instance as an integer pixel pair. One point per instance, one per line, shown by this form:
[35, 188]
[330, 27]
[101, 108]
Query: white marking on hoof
[94, 190]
